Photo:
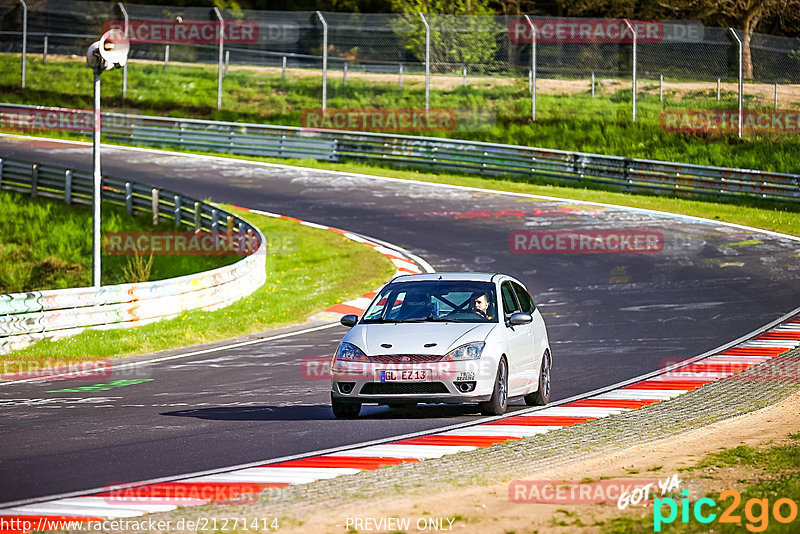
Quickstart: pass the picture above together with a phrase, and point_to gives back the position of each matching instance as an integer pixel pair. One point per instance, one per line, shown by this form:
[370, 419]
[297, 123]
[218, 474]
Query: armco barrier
[432, 153]
[28, 317]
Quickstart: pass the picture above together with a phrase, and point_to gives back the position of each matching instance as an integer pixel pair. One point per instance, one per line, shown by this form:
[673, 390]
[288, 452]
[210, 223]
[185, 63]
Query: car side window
[509, 301]
[524, 298]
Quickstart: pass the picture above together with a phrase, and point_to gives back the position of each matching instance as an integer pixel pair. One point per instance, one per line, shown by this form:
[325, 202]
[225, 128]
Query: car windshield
[457, 301]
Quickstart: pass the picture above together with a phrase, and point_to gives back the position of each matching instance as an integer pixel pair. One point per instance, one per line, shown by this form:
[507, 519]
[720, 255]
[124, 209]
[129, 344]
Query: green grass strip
[46, 244]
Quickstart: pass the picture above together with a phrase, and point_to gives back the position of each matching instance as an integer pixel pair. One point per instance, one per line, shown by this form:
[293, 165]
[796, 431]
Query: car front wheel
[345, 410]
[499, 402]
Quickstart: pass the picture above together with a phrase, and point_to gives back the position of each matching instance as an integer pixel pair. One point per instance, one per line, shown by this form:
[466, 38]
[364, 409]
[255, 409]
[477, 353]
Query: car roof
[471, 277]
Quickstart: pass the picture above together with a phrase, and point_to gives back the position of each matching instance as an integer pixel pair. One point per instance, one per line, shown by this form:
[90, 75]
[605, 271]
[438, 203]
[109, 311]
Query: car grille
[403, 388]
[405, 358]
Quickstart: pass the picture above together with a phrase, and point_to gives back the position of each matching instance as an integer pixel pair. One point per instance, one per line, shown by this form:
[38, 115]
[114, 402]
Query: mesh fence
[477, 63]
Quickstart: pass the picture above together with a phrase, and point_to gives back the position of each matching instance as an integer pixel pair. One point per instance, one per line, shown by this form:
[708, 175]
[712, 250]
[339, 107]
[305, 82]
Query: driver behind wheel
[480, 306]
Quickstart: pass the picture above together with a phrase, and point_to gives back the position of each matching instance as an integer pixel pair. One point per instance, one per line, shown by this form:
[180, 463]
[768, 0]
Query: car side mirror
[349, 320]
[520, 318]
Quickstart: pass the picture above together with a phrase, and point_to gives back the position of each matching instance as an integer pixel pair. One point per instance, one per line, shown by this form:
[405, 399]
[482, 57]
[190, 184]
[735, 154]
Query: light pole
[110, 52]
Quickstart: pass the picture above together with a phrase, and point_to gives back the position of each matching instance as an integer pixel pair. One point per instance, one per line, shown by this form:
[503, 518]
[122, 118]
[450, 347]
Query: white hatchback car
[444, 338]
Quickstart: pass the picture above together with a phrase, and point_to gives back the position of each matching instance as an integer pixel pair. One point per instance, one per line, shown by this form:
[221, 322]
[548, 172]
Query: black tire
[499, 402]
[345, 410]
[541, 396]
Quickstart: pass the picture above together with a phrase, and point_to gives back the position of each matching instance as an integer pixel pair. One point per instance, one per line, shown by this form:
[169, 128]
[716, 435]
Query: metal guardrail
[432, 153]
[28, 317]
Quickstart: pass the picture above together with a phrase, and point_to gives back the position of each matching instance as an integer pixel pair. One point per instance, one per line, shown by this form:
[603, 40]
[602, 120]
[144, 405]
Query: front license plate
[396, 375]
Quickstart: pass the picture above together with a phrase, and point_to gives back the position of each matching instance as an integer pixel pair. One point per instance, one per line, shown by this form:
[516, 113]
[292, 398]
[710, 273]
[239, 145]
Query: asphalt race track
[610, 317]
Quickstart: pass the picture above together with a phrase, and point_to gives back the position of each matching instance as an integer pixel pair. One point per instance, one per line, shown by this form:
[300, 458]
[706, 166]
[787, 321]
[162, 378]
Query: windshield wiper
[430, 318]
[382, 320]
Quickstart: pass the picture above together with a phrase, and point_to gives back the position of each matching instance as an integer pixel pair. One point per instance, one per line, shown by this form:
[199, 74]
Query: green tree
[463, 32]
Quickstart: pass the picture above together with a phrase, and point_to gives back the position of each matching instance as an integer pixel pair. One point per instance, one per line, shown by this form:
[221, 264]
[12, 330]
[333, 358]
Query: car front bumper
[451, 382]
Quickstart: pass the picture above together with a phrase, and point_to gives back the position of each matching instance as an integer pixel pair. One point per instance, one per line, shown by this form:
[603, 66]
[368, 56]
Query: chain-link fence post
[775, 104]
[741, 118]
[324, 61]
[125, 31]
[633, 70]
[24, 39]
[533, 67]
[427, 62]
[219, 64]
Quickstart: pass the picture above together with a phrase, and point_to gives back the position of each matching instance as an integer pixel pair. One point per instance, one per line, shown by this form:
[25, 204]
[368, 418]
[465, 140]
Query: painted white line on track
[731, 358]
[406, 451]
[576, 411]
[520, 431]
[295, 475]
[641, 394]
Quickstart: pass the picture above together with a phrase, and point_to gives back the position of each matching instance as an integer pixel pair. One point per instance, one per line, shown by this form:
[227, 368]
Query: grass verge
[576, 122]
[45, 246]
[324, 268]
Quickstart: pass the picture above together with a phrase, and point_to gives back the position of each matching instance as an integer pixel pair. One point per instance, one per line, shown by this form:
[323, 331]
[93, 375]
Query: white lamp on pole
[110, 52]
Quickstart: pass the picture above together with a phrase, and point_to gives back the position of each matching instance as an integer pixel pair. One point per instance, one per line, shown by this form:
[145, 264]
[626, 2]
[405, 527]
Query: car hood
[411, 338]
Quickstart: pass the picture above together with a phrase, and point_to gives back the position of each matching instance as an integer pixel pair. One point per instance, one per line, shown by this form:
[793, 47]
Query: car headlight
[348, 351]
[470, 351]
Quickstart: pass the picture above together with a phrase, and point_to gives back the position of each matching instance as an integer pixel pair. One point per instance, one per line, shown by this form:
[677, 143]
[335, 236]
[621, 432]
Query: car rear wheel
[345, 410]
[499, 402]
[541, 396]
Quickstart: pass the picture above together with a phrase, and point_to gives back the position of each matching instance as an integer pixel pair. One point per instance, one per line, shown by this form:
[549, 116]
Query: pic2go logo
[756, 511]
